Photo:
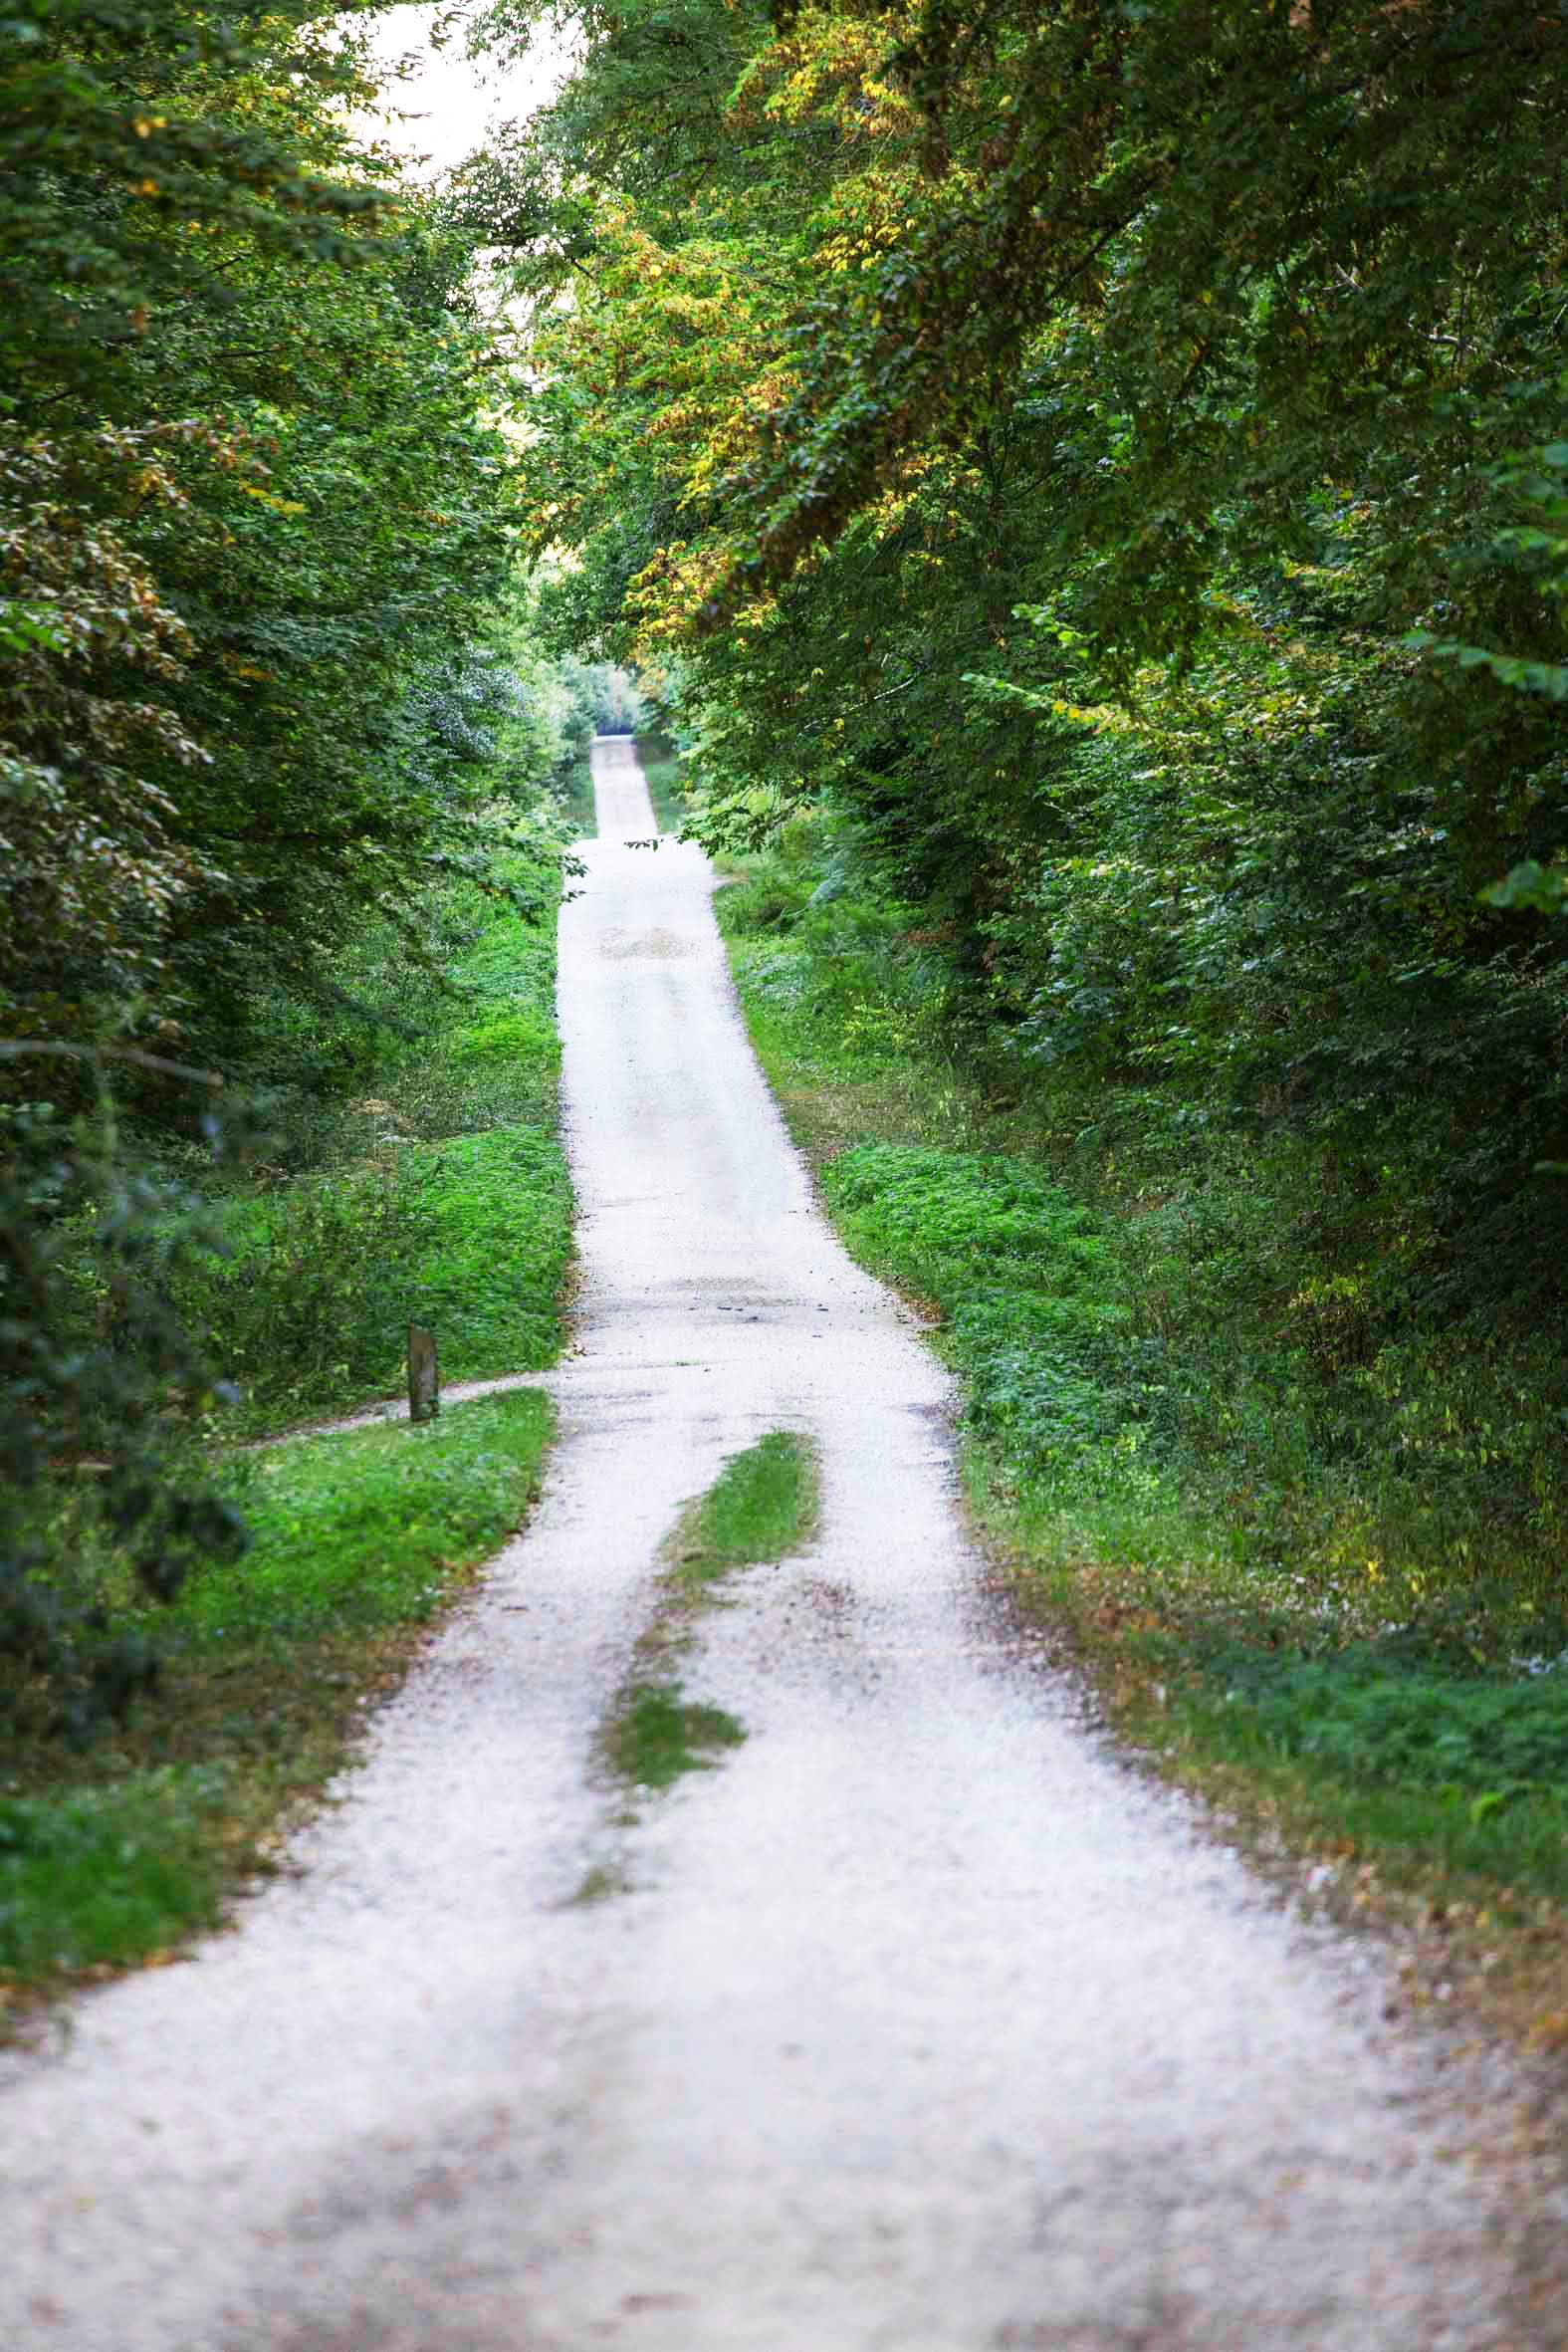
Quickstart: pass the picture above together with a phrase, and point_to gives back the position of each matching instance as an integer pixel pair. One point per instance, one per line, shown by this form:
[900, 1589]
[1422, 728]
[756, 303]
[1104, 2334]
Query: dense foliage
[1096, 476]
[270, 705]
[251, 501]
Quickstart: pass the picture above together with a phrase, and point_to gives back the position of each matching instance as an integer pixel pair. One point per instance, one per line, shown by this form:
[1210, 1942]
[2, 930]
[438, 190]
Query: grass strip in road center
[762, 1507]
[656, 1734]
[361, 1540]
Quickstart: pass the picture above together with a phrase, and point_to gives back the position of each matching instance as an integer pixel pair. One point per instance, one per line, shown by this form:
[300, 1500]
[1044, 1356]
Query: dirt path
[924, 2025]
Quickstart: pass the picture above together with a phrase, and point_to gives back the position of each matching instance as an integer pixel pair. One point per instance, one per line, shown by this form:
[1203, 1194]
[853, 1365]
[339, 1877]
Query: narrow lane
[923, 2025]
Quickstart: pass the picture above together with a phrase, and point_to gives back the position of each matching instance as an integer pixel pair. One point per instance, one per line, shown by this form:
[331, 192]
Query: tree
[251, 508]
[1055, 445]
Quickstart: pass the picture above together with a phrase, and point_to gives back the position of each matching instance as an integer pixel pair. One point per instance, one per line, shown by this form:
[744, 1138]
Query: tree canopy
[251, 496]
[1107, 462]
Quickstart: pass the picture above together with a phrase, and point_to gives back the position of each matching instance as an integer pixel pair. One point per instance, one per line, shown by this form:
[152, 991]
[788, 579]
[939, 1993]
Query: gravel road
[923, 2024]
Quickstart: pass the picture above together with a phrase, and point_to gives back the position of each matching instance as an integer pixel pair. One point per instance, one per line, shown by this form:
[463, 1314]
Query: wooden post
[424, 1375]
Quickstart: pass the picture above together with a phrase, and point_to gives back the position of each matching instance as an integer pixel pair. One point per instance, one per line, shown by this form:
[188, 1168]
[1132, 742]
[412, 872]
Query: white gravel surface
[923, 2024]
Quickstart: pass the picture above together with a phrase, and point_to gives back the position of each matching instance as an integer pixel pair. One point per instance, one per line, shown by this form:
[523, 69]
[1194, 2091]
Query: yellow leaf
[280, 506]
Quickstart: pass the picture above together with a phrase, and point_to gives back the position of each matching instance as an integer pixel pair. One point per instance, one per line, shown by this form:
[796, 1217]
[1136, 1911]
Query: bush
[103, 1388]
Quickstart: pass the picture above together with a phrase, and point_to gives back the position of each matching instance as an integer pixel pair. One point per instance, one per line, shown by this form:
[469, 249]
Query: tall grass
[762, 1506]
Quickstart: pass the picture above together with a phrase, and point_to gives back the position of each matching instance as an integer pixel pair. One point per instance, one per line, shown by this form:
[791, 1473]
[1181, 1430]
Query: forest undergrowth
[428, 1186]
[1312, 1565]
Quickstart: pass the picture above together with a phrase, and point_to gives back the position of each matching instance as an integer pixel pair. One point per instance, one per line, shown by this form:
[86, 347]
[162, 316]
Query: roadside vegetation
[111, 1855]
[288, 783]
[657, 1735]
[166, 1713]
[435, 1192]
[659, 759]
[1331, 1598]
[404, 1166]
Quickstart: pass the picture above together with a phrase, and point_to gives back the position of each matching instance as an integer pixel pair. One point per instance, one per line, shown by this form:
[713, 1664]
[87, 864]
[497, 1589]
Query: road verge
[1378, 1770]
[433, 1188]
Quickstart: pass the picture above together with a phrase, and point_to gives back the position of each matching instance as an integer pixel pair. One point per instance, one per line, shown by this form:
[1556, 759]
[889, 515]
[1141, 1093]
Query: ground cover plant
[1329, 1594]
[111, 1853]
[104, 1877]
[438, 1195]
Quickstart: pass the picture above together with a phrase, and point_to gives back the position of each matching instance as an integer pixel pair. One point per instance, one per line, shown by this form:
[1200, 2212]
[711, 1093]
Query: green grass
[849, 1017]
[359, 1539]
[1025, 1283]
[438, 1194]
[763, 1505]
[1294, 1557]
[366, 1528]
[1421, 1755]
[105, 1877]
[657, 1734]
[1481, 1739]
[661, 765]
[575, 796]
